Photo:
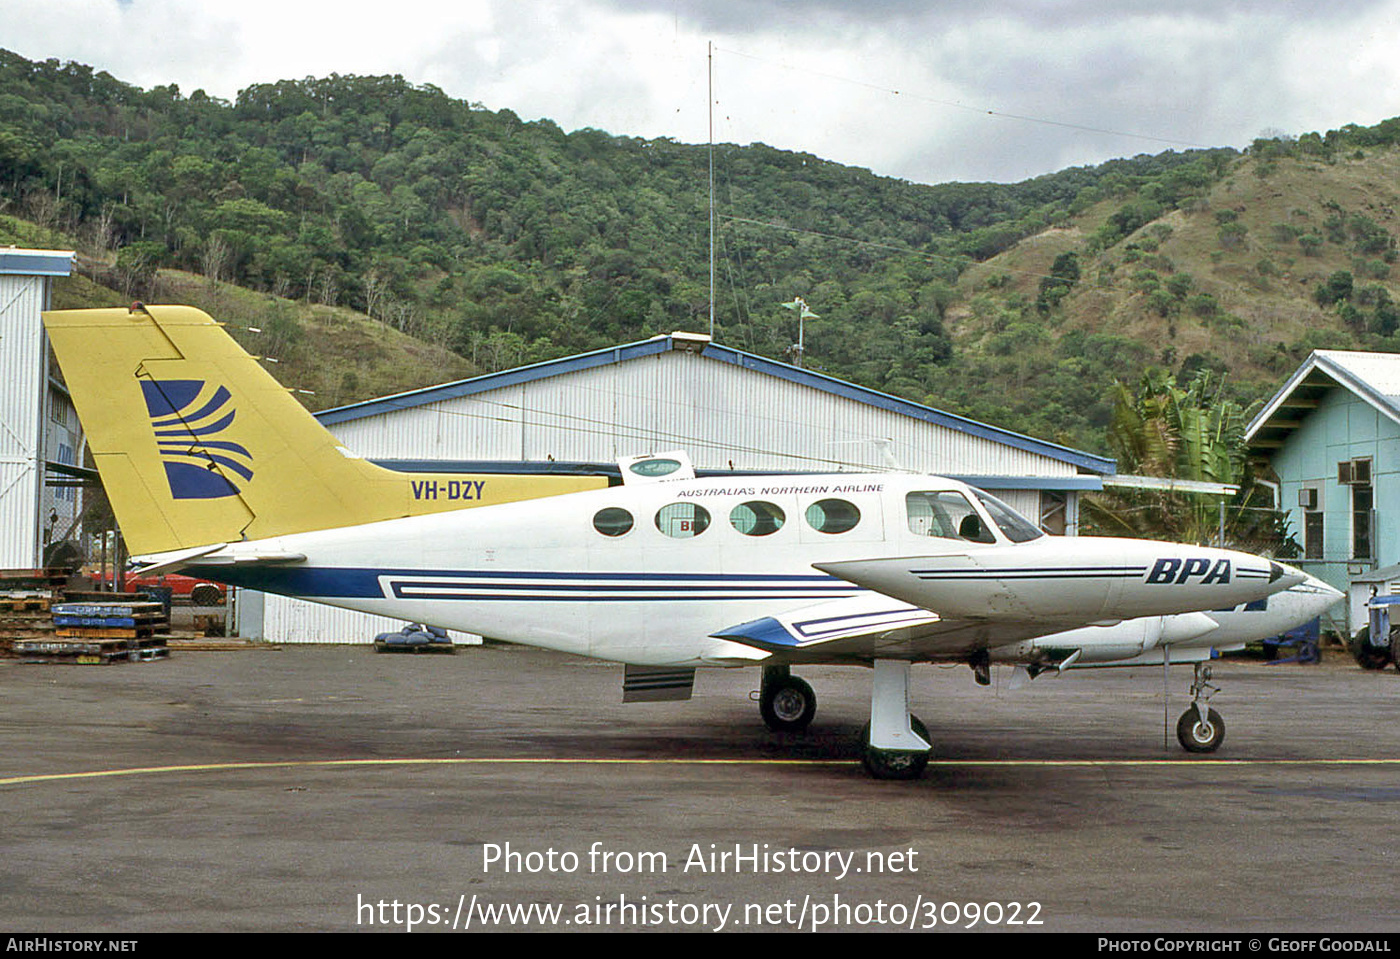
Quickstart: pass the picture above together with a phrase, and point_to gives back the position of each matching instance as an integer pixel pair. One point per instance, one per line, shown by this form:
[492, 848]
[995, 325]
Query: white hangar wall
[728, 409]
[725, 416]
[37, 424]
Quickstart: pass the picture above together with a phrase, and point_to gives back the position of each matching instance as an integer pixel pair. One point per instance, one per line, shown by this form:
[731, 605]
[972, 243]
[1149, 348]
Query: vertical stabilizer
[197, 444]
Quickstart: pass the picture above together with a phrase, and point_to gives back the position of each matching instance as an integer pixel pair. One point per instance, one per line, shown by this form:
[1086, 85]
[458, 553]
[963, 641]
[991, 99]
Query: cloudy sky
[927, 90]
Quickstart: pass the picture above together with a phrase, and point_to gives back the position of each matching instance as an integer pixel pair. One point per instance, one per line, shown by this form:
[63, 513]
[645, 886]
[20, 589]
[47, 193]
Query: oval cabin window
[756, 518]
[832, 516]
[612, 521]
[683, 520]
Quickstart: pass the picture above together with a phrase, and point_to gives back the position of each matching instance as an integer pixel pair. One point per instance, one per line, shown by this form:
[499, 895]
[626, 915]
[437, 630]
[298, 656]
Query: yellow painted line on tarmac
[545, 761]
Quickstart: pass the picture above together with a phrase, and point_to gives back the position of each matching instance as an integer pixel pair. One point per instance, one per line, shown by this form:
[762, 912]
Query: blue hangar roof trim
[724, 354]
[17, 262]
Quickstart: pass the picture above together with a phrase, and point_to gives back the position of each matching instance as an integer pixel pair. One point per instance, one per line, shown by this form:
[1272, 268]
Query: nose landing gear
[1200, 729]
[786, 703]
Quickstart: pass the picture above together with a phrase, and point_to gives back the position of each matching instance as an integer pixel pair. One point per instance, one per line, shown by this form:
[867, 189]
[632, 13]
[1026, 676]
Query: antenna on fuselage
[884, 445]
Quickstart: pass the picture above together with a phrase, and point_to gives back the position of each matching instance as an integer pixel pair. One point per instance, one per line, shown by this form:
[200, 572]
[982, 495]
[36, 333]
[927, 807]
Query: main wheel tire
[788, 705]
[1395, 648]
[1200, 737]
[892, 763]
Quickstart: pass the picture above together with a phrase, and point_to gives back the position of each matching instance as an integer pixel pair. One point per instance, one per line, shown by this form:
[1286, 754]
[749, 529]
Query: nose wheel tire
[1196, 736]
[788, 705]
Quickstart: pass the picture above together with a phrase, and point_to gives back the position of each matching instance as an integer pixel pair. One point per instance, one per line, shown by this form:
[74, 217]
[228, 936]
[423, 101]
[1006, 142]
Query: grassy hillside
[1281, 256]
[330, 355]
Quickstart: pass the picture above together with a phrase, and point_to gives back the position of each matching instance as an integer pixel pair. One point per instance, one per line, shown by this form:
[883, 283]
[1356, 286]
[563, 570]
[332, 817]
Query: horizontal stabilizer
[219, 554]
[159, 563]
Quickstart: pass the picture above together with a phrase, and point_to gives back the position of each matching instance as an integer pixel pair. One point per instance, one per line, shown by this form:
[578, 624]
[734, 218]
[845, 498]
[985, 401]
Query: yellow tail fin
[197, 444]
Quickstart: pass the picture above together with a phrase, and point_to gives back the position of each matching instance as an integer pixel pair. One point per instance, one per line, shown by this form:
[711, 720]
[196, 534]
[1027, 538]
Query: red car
[201, 592]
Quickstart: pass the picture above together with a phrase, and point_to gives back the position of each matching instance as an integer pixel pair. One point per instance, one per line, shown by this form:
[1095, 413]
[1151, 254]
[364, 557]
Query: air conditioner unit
[1307, 499]
[1354, 472]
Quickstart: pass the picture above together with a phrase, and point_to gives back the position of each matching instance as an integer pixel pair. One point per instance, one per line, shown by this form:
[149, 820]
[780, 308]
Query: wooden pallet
[25, 601]
[24, 614]
[95, 659]
[47, 578]
[88, 651]
[213, 644]
[119, 620]
[13, 621]
[110, 608]
[94, 596]
[107, 632]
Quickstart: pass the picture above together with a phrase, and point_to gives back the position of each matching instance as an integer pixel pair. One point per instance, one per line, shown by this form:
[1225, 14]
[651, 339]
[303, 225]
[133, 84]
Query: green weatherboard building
[1332, 438]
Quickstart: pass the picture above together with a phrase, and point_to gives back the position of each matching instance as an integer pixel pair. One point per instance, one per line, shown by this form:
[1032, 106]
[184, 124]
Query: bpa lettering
[1177, 571]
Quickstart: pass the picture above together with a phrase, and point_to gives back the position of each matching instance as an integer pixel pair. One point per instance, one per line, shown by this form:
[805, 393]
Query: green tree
[1192, 432]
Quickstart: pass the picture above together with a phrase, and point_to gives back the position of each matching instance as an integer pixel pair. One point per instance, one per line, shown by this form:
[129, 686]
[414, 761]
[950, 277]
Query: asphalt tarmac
[330, 788]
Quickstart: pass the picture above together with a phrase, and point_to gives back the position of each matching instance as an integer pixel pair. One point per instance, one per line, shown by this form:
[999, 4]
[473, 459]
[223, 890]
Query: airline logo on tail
[189, 420]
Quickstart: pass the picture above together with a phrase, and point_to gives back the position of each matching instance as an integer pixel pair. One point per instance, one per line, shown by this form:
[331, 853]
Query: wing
[873, 626]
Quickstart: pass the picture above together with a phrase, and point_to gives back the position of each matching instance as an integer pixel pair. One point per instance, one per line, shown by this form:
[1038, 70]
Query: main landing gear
[894, 744]
[1200, 729]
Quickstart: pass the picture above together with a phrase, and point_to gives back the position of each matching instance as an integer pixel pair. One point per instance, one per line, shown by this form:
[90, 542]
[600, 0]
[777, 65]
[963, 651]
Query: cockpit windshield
[1012, 524]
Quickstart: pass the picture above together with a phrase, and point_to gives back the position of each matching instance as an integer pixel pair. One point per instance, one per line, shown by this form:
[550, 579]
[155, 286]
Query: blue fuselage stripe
[513, 585]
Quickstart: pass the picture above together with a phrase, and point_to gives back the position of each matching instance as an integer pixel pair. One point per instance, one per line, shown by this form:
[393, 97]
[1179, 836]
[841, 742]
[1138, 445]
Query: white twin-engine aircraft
[214, 468]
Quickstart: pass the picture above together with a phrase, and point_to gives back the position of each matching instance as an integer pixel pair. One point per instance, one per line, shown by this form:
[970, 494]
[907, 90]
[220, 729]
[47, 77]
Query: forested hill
[511, 242]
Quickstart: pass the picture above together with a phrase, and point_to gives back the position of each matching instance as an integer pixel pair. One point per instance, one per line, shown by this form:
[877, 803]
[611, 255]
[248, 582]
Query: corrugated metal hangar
[39, 432]
[728, 409]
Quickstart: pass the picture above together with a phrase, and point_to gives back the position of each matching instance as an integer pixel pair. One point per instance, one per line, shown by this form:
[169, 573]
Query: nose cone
[1315, 596]
[1286, 577]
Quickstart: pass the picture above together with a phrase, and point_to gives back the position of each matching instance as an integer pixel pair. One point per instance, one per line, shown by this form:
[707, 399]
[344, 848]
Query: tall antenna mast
[710, 103]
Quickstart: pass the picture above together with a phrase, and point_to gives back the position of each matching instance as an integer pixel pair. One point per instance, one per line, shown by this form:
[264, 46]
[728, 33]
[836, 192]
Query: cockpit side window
[946, 514]
[1012, 524]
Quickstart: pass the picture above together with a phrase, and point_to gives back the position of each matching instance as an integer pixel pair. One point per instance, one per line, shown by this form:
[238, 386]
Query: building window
[1310, 501]
[1362, 520]
[1312, 535]
[1356, 473]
